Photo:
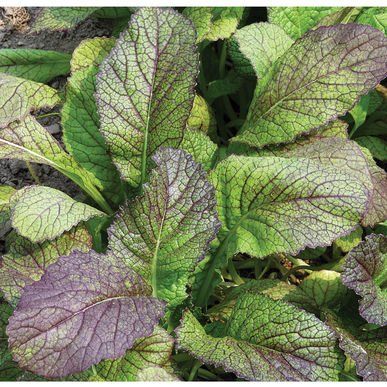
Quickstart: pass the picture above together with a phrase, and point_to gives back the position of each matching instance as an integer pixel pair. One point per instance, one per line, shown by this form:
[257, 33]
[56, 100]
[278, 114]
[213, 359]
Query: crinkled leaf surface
[20, 96]
[156, 374]
[41, 213]
[298, 20]
[375, 17]
[365, 272]
[80, 119]
[214, 23]
[61, 18]
[8, 368]
[202, 116]
[86, 308]
[35, 65]
[25, 262]
[367, 349]
[145, 91]
[348, 242]
[320, 78]
[163, 233]
[5, 194]
[266, 340]
[377, 146]
[254, 48]
[152, 351]
[265, 204]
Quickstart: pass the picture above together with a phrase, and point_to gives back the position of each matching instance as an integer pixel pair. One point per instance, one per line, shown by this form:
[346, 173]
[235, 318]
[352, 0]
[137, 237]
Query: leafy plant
[231, 223]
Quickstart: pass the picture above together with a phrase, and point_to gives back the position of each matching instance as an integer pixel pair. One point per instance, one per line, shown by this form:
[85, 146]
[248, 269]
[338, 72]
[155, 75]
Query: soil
[13, 35]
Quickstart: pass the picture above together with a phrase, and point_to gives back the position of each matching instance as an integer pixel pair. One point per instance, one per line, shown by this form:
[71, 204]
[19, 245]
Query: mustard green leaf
[348, 242]
[145, 91]
[377, 146]
[319, 79]
[80, 121]
[202, 116]
[165, 232]
[156, 374]
[21, 96]
[26, 262]
[298, 20]
[254, 48]
[214, 23]
[266, 340]
[41, 213]
[365, 271]
[375, 17]
[35, 65]
[86, 308]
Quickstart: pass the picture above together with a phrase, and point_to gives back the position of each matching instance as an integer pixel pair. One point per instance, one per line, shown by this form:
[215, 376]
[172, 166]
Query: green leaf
[202, 116]
[145, 91]
[360, 111]
[26, 262]
[61, 18]
[27, 140]
[20, 96]
[41, 213]
[202, 149]
[80, 120]
[254, 48]
[226, 86]
[152, 351]
[365, 271]
[35, 65]
[367, 349]
[350, 241]
[298, 20]
[317, 80]
[163, 233]
[214, 23]
[375, 17]
[266, 340]
[266, 203]
[156, 374]
[377, 146]
[8, 368]
[5, 194]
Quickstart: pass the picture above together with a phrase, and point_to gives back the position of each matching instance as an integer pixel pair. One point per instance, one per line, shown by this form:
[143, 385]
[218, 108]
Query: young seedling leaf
[80, 121]
[266, 340]
[86, 308]
[20, 96]
[35, 65]
[365, 271]
[254, 48]
[25, 262]
[145, 91]
[165, 232]
[320, 78]
[41, 213]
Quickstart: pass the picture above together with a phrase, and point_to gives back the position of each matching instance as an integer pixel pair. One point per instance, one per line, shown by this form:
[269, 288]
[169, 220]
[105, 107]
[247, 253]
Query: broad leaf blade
[256, 47]
[86, 308]
[266, 340]
[144, 91]
[20, 96]
[80, 121]
[25, 262]
[335, 65]
[298, 20]
[41, 213]
[365, 271]
[35, 65]
[5, 194]
[163, 233]
[202, 116]
[377, 146]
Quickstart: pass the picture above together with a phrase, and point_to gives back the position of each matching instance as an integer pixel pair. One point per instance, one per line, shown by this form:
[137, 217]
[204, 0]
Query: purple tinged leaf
[86, 308]
[365, 271]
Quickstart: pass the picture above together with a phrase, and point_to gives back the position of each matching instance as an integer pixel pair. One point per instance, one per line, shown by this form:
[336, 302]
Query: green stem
[48, 115]
[234, 274]
[205, 374]
[222, 60]
[194, 370]
[265, 269]
[94, 193]
[33, 173]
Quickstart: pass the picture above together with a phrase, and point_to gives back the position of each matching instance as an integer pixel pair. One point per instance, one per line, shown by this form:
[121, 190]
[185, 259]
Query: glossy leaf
[266, 340]
[25, 262]
[165, 232]
[35, 65]
[20, 96]
[254, 48]
[42, 213]
[320, 78]
[365, 272]
[86, 308]
[144, 91]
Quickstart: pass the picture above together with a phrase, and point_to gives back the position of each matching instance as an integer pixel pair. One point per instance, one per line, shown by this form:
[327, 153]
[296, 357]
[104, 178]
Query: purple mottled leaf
[365, 271]
[86, 308]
